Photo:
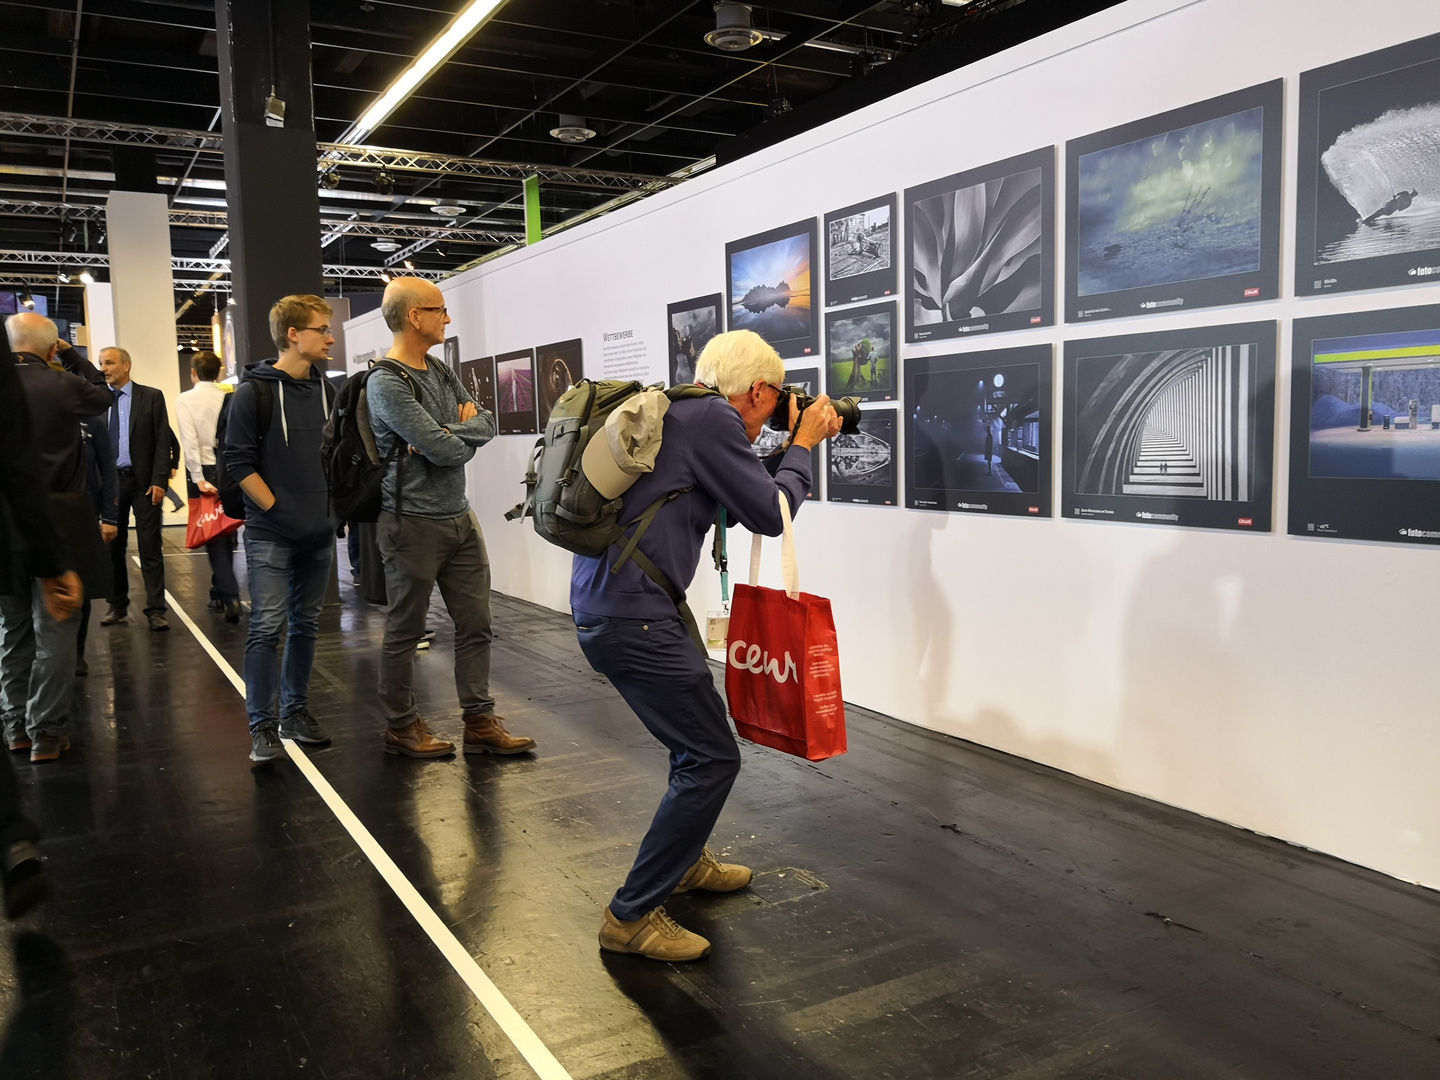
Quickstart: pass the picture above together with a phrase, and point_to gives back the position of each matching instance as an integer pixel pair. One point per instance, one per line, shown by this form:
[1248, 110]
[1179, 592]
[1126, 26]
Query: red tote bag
[782, 663]
[208, 521]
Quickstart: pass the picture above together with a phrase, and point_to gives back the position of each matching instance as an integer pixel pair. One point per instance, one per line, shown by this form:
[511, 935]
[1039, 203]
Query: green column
[532, 210]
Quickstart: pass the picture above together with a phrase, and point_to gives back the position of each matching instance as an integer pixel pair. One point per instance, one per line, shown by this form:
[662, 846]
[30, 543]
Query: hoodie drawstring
[284, 424]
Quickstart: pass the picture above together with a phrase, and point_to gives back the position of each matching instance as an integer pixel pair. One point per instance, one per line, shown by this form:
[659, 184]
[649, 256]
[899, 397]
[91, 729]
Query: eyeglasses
[442, 310]
[772, 386]
[323, 331]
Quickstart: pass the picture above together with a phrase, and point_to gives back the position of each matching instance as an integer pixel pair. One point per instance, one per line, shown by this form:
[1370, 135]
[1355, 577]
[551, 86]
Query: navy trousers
[663, 676]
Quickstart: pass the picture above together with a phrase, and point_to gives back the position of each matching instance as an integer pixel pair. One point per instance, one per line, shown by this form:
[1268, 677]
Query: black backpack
[232, 498]
[354, 469]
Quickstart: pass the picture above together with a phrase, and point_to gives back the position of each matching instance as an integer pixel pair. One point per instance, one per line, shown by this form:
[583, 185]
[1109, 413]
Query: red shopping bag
[208, 521]
[782, 663]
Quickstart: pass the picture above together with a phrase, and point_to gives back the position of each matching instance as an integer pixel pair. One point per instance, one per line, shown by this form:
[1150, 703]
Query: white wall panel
[1277, 683]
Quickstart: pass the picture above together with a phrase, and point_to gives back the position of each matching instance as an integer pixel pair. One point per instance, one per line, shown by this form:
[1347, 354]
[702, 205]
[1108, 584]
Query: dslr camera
[847, 408]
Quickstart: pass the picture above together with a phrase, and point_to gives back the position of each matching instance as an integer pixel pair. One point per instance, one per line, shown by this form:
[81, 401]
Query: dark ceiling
[660, 101]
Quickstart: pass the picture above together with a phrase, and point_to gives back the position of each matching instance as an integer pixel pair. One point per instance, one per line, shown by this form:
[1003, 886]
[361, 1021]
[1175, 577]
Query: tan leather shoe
[713, 876]
[656, 936]
[416, 741]
[484, 734]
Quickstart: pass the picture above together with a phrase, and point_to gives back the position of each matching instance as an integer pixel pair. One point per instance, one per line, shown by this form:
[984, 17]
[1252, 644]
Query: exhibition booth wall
[1282, 683]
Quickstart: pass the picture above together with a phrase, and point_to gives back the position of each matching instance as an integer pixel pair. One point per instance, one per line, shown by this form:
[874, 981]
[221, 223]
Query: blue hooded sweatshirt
[287, 457]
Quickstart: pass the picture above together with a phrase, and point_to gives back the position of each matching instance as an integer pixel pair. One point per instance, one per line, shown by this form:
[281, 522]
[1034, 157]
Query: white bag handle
[789, 568]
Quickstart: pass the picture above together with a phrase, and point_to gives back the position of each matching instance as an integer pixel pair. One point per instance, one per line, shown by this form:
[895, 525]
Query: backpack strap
[397, 452]
[631, 551]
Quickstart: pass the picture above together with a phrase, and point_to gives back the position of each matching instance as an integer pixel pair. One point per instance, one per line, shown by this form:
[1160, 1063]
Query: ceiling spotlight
[733, 32]
[63, 277]
[385, 245]
[572, 129]
[27, 300]
[87, 276]
[447, 209]
[385, 277]
[69, 234]
[409, 265]
[384, 183]
[330, 179]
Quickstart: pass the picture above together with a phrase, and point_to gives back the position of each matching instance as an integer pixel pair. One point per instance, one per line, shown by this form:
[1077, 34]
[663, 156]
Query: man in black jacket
[140, 437]
[29, 551]
[37, 651]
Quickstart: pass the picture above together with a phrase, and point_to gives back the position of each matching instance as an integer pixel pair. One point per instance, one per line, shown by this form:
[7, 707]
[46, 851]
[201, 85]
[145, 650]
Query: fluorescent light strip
[469, 20]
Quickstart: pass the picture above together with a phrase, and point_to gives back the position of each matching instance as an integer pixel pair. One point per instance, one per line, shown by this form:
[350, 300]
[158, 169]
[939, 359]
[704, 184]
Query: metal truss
[52, 262]
[218, 219]
[331, 155]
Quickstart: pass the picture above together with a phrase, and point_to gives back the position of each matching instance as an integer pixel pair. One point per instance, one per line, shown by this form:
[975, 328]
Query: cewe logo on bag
[758, 662]
[209, 517]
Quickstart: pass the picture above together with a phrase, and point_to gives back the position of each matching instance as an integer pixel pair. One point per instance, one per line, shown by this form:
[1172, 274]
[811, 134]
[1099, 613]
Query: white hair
[734, 362]
[32, 333]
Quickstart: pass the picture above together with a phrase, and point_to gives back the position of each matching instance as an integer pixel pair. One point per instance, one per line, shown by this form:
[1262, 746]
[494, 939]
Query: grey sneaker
[301, 727]
[265, 743]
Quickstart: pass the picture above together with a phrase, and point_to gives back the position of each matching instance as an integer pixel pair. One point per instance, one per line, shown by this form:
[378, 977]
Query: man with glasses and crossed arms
[427, 532]
[272, 449]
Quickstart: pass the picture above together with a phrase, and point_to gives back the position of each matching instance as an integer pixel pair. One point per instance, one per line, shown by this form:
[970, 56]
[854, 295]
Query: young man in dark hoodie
[289, 534]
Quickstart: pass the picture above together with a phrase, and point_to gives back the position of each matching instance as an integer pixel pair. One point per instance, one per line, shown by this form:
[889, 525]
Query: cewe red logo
[1252, 292]
[758, 662]
[1034, 509]
[1247, 521]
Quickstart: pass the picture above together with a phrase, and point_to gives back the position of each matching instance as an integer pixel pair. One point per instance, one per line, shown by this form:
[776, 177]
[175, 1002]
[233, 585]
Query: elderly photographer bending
[631, 632]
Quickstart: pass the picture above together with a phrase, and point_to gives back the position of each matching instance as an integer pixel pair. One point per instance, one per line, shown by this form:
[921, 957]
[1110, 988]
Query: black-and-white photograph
[1172, 428]
[1368, 195]
[690, 325]
[1365, 426]
[772, 439]
[452, 353]
[981, 250]
[478, 377]
[769, 280]
[515, 392]
[557, 368]
[977, 431]
[860, 356]
[860, 259]
[862, 467]
[1176, 211]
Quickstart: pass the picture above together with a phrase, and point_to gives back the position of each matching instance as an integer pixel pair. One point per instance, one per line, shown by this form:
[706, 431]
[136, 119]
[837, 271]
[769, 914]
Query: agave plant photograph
[979, 252]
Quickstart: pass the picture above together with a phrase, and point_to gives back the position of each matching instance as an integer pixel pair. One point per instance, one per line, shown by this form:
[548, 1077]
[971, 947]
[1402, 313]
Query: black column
[270, 174]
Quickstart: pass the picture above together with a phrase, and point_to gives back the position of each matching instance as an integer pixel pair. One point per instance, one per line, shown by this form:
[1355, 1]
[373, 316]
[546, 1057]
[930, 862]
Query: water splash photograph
[768, 281]
[861, 467]
[1177, 210]
[981, 250]
[1368, 201]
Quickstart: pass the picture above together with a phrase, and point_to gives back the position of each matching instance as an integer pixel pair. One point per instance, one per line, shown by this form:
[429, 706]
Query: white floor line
[535, 1052]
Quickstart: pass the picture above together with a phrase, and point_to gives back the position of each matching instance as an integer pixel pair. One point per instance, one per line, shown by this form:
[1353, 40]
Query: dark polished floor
[923, 907]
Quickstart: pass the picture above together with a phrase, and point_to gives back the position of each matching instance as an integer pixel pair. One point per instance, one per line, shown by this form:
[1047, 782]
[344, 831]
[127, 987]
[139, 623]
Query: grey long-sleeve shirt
[434, 479]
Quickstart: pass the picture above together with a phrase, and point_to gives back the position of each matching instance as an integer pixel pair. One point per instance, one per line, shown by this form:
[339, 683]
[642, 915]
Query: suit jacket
[149, 436]
[29, 544]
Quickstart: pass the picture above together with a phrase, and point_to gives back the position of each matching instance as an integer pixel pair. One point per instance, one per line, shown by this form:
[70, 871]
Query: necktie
[115, 427]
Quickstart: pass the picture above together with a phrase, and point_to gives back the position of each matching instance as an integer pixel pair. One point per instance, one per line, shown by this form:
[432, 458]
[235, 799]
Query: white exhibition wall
[1281, 684]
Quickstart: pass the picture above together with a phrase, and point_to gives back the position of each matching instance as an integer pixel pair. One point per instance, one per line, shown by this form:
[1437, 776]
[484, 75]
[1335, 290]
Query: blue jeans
[37, 665]
[284, 582]
[663, 676]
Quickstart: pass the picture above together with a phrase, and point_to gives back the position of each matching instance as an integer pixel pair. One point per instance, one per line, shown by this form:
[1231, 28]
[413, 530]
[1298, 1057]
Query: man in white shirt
[197, 411]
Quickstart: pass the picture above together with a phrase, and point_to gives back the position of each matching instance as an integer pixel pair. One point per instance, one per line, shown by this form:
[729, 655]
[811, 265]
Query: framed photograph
[1367, 209]
[977, 431]
[452, 353]
[1365, 426]
[859, 257]
[981, 250]
[1177, 211]
[770, 440]
[557, 368]
[862, 468]
[690, 325]
[515, 392]
[860, 356]
[478, 377]
[768, 280]
[1172, 428]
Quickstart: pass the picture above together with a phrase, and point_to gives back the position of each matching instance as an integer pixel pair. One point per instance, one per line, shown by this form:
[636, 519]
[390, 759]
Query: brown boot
[416, 741]
[484, 734]
[656, 936]
[713, 876]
